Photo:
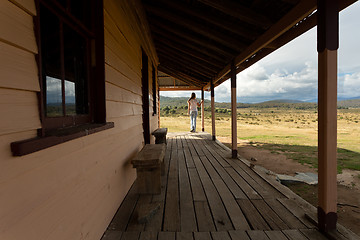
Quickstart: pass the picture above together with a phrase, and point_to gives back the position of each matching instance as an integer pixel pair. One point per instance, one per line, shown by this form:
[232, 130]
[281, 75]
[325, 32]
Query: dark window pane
[53, 97]
[75, 52]
[51, 58]
[81, 9]
[70, 98]
[62, 3]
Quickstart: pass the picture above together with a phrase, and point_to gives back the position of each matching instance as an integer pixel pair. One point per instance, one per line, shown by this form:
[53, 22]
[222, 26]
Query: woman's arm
[188, 107]
[199, 104]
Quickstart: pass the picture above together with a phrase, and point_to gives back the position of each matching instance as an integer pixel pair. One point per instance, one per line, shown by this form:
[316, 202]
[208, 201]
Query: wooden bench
[160, 135]
[149, 164]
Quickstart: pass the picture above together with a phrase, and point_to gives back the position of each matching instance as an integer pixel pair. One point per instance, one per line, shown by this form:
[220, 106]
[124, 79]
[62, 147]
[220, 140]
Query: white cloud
[349, 85]
[277, 84]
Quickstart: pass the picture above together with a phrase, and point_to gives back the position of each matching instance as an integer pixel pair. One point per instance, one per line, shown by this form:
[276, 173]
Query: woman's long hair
[193, 96]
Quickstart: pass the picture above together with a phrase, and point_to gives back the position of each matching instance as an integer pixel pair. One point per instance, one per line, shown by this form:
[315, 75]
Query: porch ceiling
[196, 40]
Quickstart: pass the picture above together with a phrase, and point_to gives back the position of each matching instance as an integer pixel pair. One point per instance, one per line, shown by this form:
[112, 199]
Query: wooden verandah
[208, 195]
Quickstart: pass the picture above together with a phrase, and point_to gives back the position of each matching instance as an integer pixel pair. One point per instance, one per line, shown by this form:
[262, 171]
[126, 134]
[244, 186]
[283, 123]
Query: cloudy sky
[291, 71]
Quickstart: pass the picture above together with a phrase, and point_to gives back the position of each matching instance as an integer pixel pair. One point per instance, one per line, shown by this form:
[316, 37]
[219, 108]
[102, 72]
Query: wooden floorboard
[184, 236]
[220, 235]
[187, 213]
[237, 234]
[288, 218]
[202, 236]
[134, 224]
[130, 236]
[269, 215]
[172, 208]
[196, 186]
[256, 221]
[166, 236]
[204, 219]
[206, 195]
[276, 235]
[148, 236]
[112, 235]
[294, 234]
[220, 216]
[312, 234]
[122, 216]
[257, 235]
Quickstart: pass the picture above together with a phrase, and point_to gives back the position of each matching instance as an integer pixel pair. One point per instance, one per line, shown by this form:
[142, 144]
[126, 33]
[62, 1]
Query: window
[71, 48]
[70, 36]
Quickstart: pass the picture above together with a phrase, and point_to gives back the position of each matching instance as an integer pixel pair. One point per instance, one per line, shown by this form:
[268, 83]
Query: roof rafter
[207, 32]
[239, 12]
[168, 55]
[188, 52]
[192, 81]
[216, 20]
[191, 38]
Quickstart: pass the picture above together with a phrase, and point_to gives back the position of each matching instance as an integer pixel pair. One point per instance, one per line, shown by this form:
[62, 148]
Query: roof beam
[179, 88]
[191, 49]
[189, 53]
[214, 19]
[235, 10]
[192, 38]
[185, 69]
[206, 31]
[298, 13]
[192, 81]
[166, 55]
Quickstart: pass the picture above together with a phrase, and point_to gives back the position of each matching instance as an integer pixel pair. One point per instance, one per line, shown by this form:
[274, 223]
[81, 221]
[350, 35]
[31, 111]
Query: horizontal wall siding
[17, 26]
[18, 69]
[71, 190]
[23, 115]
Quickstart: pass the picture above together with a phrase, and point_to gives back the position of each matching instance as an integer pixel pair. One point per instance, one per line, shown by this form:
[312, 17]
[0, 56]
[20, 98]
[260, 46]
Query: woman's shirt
[193, 105]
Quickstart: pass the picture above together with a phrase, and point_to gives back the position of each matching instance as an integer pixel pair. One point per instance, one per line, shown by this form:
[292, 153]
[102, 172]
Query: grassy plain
[292, 132]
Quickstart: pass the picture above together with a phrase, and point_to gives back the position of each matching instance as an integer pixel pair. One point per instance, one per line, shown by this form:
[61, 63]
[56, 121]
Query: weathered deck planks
[207, 195]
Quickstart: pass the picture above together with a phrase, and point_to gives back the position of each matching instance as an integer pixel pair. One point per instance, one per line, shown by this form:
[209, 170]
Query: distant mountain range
[285, 103]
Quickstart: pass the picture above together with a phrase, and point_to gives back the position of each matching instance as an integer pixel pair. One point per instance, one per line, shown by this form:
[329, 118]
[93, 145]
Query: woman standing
[192, 111]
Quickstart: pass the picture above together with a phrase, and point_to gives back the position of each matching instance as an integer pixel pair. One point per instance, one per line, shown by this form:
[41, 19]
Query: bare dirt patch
[348, 181]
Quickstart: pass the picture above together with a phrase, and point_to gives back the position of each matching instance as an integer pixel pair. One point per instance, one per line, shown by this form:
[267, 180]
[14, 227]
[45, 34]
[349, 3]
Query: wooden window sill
[24, 147]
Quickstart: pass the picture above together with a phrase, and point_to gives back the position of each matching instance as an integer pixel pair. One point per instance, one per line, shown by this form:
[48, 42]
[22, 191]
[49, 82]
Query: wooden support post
[212, 110]
[233, 111]
[202, 111]
[328, 42]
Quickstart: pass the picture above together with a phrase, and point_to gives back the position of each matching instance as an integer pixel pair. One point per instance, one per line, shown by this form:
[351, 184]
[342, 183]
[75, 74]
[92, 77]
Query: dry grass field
[289, 131]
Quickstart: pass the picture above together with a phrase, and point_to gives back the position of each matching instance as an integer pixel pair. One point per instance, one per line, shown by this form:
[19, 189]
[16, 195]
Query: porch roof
[196, 40]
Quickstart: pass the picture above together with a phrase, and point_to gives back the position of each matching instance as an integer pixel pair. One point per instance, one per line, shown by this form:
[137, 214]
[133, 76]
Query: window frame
[52, 133]
[64, 16]
[154, 86]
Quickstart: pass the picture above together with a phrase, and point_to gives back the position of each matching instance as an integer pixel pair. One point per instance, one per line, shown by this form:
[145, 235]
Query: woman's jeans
[193, 115]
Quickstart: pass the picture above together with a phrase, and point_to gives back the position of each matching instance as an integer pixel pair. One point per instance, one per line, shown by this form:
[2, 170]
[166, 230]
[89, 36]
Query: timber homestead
[79, 103]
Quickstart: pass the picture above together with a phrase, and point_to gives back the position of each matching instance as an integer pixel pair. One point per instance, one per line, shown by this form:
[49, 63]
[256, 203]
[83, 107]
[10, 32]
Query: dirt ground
[348, 181]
